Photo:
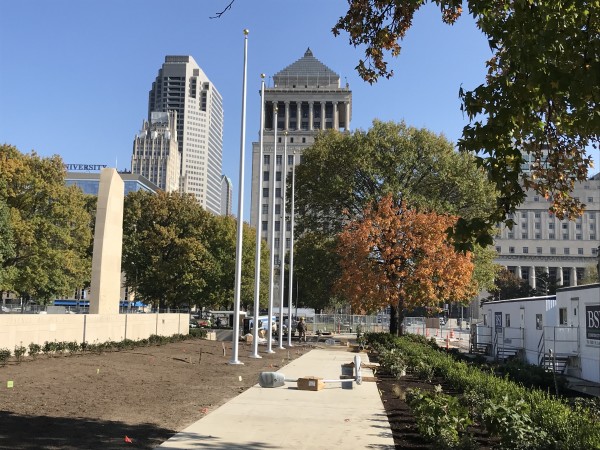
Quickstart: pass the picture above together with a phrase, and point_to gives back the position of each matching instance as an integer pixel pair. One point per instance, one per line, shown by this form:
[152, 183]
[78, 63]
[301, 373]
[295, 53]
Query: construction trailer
[559, 332]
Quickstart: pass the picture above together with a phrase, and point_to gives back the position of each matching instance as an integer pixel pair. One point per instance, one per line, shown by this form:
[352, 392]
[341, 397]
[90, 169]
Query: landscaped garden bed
[435, 401]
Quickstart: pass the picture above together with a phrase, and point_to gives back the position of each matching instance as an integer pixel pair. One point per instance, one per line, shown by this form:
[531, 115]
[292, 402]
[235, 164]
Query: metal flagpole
[272, 170]
[254, 353]
[282, 243]
[291, 271]
[240, 220]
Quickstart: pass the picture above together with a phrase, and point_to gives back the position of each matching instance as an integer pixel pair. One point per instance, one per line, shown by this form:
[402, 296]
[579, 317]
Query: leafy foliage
[508, 285]
[50, 227]
[397, 256]
[540, 96]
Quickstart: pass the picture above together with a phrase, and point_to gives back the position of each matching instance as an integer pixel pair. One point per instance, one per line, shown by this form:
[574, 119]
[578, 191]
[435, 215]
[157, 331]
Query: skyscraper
[226, 192]
[308, 99]
[183, 87]
[156, 153]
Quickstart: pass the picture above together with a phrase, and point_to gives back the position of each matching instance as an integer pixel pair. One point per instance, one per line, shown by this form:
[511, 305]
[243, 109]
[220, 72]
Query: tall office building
[181, 86]
[156, 153]
[308, 99]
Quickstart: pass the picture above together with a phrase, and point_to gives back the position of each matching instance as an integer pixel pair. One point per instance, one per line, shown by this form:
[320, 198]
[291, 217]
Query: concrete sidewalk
[288, 418]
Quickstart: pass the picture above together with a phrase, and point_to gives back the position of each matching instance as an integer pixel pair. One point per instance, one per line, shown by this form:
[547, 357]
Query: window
[278, 175]
[592, 226]
[265, 192]
[279, 157]
[562, 316]
[524, 215]
[265, 208]
[538, 236]
[580, 251]
[538, 250]
[524, 236]
[565, 226]
[590, 199]
[267, 159]
[524, 225]
[511, 249]
[567, 251]
[536, 199]
[525, 249]
[265, 225]
[565, 236]
[594, 251]
[551, 236]
[287, 242]
[579, 237]
[552, 250]
[277, 209]
[511, 235]
[291, 140]
[266, 175]
[498, 249]
[539, 324]
[551, 226]
[277, 242]
[277, 225]
[538, 215]
[278, 192]
[288, 226]
[538, 226]
[290, 160]
[578, 226]
[304, 140]
[593, 237]
[507, 317]
[279, 140]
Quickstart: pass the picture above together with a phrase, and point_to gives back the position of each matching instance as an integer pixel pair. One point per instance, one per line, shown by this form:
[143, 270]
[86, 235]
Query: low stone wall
[24, 329]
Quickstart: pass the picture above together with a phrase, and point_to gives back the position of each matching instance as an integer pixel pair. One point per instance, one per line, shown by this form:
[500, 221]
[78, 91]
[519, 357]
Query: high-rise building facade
[539, 243]
[156, 153]
[306, 97]
[181, 86]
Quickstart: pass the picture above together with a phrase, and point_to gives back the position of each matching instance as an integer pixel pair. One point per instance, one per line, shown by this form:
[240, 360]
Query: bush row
[64, 348]
[521, 418]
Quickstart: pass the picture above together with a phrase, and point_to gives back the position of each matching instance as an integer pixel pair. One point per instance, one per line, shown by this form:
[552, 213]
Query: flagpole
[282, 243]
[291, 275]
[240, 220]
[254, 353]
[272, 170]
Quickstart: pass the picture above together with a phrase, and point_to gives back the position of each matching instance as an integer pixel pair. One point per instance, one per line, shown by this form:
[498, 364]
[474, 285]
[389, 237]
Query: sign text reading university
[89, 167]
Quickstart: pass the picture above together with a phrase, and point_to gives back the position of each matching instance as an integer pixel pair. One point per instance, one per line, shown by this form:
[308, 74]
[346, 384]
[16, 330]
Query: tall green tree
[166, 259]
[342, 173]
[7, 244]
[508, 285]
[540, 96]
[50, 225]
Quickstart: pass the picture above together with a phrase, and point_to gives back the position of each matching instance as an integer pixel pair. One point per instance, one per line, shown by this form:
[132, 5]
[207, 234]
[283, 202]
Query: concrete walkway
[288, 418]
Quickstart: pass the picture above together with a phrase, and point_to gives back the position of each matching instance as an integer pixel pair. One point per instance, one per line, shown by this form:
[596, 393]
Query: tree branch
[219, 14]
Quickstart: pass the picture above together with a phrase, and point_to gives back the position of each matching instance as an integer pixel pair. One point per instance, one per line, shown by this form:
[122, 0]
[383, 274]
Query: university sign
[84, 167]
[592, 325]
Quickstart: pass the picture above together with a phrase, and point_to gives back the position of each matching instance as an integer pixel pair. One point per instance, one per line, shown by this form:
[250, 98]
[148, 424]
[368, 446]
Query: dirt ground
[147, 394]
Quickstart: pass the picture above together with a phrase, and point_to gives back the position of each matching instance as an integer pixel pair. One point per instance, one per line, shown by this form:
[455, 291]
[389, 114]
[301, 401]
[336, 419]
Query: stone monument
[108, 244]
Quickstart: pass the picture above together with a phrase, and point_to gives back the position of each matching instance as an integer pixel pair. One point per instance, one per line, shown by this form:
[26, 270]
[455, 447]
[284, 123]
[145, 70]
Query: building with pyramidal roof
[305, 98]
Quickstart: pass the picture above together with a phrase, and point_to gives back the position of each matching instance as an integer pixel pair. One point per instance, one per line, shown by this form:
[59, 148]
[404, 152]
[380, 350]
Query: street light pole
[240, 220]
[254, 353]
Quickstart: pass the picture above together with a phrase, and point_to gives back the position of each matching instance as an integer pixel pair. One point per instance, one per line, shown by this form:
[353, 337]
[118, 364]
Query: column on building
[532, 280]
[298, 115]
[519, 273]
[336, 122]
[573, 276]
[310, 115]
[347, 106]
[286, 125]
[322, 115]
[559, 276]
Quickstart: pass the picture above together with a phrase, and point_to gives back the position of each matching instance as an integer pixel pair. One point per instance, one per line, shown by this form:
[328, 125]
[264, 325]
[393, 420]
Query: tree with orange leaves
[399, 257]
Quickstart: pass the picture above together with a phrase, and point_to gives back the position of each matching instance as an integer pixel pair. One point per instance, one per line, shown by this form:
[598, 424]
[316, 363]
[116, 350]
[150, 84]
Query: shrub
[439, 417]
[34, 350]
[19, 352]
[4, 355]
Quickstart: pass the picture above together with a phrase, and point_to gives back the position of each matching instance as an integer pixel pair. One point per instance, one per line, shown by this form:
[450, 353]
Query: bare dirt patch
[148, 394]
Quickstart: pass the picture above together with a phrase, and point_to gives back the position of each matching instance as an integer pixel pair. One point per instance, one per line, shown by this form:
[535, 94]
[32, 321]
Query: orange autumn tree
[399, 257]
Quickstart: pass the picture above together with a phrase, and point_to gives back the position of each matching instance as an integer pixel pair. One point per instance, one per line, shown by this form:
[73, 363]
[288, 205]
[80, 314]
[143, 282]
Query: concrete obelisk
[108, 244]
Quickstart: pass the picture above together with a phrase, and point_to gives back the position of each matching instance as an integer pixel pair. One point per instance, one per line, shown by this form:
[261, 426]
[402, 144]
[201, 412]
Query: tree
[342, 173]
[7, 244]
[508, 286]
[316, 267]
[540, 96]
[399, 257]
[50, 226]
[166, 259]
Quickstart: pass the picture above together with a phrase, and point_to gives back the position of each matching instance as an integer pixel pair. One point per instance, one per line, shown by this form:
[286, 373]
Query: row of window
[565, 236]
[267, 160]
[539, 250]
[265, 226]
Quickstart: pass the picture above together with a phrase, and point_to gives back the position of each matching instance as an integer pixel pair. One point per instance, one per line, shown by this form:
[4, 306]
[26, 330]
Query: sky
[75, 74]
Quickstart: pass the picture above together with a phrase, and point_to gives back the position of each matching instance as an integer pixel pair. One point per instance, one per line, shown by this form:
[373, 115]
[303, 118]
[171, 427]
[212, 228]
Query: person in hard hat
[301, 327]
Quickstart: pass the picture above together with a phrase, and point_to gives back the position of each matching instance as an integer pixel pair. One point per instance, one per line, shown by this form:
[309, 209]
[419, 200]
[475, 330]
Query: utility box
[310, 384]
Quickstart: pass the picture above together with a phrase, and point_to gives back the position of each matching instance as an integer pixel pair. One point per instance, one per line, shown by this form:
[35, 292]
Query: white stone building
[306, 98]
[540, 243]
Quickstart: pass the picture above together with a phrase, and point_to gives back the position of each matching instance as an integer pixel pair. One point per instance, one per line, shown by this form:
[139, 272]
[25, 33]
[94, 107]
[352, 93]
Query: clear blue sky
[75, 75]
